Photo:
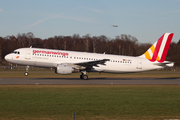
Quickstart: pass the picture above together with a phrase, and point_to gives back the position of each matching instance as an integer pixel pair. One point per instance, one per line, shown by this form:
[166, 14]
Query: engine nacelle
[63, 69]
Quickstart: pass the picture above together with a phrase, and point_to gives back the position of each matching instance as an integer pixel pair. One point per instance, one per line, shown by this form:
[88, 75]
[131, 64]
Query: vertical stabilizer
[159, 49]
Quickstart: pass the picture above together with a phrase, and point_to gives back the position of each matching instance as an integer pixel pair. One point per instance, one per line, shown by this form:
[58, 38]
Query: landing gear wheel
[85, 77]
[26, 73]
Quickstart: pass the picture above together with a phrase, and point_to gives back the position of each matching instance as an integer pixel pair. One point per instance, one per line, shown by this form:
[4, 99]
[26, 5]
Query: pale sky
[147, 20]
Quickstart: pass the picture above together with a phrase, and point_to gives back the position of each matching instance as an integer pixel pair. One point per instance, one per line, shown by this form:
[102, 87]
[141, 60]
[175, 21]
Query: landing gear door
[139, 64]
[28, 54]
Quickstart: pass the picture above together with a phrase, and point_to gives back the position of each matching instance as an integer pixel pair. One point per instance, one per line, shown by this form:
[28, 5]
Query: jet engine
[63, 69]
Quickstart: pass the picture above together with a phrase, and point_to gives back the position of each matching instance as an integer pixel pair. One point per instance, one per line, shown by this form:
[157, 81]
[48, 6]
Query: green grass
[51, 74]
[90, 102]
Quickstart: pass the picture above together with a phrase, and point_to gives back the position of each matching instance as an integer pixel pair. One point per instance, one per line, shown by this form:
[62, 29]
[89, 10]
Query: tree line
[120, 45]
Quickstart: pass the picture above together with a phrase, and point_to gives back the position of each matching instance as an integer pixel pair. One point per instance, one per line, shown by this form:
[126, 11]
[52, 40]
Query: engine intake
[63, 69]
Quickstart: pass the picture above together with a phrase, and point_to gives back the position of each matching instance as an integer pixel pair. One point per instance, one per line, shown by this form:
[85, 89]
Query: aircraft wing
[90, 64]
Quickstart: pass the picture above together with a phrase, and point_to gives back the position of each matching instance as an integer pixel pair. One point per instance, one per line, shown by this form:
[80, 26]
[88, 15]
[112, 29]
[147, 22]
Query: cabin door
[28, 54]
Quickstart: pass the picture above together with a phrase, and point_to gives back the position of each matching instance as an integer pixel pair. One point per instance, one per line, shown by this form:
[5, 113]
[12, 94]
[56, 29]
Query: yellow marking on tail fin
[152, 48]
[147, 55]
[158, 59]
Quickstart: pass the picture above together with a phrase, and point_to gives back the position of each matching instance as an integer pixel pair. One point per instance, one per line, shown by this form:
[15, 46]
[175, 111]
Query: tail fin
[159, 49]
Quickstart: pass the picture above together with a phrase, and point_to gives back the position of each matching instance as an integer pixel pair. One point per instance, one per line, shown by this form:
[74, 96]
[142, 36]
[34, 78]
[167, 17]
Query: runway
[91, 81]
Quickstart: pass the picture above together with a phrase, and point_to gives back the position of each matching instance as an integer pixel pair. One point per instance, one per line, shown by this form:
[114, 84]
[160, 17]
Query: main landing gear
[26, 73]
[83, 75]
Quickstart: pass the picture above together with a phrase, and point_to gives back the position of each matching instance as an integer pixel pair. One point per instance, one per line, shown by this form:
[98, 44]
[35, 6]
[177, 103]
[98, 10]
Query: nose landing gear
[27, 69]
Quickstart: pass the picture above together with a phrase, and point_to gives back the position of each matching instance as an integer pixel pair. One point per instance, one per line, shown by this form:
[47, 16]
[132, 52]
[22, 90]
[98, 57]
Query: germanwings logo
[158, 50]
[50, 52]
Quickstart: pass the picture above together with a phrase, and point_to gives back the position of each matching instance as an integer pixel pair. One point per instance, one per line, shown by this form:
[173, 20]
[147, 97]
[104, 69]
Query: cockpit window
[16, 52]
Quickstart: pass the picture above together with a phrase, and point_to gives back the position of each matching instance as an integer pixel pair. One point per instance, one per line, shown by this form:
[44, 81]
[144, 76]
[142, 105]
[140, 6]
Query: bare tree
[94, 44]
[65, 42]
[87, 42]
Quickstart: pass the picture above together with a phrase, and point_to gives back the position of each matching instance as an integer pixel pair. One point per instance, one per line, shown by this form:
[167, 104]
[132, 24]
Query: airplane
[115, 25]
[66, 62]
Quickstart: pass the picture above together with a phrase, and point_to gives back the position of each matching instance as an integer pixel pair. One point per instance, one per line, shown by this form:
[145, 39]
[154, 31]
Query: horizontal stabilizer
[165, 64]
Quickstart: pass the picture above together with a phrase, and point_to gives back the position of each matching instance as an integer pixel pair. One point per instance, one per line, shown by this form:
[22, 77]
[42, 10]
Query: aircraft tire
[81, 76]
[85, 77]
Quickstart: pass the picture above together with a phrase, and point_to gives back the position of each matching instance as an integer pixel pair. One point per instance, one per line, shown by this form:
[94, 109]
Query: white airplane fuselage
[51, 58]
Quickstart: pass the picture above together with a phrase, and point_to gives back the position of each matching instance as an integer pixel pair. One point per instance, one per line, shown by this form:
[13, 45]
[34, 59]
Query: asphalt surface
[91, 81]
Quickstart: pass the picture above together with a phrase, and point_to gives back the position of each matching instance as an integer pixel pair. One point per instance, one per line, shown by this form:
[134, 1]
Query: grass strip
[96, 102]
[51, 74]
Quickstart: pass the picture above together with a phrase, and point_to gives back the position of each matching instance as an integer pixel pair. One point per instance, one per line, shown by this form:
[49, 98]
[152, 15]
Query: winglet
[159, 49]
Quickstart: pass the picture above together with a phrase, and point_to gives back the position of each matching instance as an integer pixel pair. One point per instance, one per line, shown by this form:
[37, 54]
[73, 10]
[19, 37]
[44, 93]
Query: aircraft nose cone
[7, 57]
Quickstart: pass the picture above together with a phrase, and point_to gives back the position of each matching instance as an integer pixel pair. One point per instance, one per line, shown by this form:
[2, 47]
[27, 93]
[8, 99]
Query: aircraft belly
[119, 68]
[24, 62]
[33, 63]
[42, 64]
